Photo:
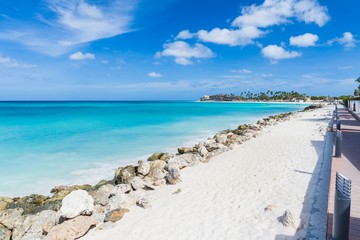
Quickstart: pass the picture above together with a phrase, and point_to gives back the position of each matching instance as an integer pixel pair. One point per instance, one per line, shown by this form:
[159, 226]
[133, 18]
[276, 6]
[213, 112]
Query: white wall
[357, 105]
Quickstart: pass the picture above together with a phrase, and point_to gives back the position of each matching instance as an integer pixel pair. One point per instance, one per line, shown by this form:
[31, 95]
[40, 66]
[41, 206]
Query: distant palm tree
[356, 92]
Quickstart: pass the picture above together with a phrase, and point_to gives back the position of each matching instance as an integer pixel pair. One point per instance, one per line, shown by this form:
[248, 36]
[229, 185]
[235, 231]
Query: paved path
[349, 165]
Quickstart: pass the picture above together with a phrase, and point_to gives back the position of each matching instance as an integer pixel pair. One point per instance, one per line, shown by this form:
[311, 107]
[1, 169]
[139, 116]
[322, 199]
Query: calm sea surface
[43, 144]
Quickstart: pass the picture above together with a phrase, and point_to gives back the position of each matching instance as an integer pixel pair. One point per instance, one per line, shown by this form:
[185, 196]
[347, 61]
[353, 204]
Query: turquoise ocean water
[43, 144]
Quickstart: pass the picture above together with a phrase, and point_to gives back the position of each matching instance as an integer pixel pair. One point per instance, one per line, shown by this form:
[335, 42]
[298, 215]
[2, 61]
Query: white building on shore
[354, 104]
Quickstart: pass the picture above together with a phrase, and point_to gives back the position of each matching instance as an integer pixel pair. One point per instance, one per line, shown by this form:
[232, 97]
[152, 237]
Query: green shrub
[345, 101]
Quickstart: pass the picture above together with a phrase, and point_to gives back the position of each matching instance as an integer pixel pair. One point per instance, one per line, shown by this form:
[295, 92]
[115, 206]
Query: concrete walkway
[349, 165]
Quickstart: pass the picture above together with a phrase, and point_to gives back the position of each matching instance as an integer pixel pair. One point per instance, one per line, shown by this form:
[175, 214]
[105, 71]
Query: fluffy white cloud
[13, 63]
[241, 71]
[237, 37]
[184, 52]
[154, 75]
[78, 56]
[185, 34]
[310, 11]
[271, 12]
[66, 24]
[274, 53]
[276, 12]
[305, 40]
[347, 40]
[254, 20]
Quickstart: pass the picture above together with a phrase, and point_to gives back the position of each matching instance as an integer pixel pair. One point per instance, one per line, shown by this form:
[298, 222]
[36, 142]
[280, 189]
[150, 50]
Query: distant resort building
[354, 104]
[206, 97]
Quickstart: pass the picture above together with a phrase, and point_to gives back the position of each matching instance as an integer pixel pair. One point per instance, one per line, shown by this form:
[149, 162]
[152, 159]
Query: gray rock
[4, 201]
[33, 226]
[99, 213]
[173, 175]
[178, 162]
[155, 156]
[125, 175]
[71, 229]
[101, 196]
[143, 168]
[9, 217]
[5, 234]
[214, 146]
[121, 201]
[137, 183]
[77, 203]
[115, 215]
[160, 182]
[144, 201]
[288, 219]
[21, 226]
[121, 188]
[157, 171]
[183, 150]
[203, 151]
[191, 159]
[220, 138]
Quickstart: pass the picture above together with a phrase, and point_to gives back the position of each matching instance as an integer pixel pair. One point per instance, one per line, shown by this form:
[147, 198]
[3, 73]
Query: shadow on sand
[313, 225]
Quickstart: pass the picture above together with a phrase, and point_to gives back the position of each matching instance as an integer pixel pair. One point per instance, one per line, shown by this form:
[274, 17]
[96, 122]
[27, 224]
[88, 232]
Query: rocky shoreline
[72, 210]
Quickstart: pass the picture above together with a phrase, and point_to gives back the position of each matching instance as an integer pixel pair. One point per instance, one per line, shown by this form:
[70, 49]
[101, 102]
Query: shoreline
[98, 170]
[242, 192]
[269, 102]
[162, 168]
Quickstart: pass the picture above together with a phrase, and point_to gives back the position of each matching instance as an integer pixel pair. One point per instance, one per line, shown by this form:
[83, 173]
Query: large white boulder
[77, 203]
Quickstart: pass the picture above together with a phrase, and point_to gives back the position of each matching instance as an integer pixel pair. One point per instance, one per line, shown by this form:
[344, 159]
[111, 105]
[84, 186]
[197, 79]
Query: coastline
[269, 102]
[171, 172]
[99, 150]
[241, 192]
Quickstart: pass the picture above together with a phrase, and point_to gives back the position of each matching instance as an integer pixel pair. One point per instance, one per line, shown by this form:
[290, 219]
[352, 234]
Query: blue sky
[176, 49]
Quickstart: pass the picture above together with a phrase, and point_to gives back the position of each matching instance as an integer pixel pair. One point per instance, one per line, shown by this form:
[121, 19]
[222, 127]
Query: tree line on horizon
[261, 96]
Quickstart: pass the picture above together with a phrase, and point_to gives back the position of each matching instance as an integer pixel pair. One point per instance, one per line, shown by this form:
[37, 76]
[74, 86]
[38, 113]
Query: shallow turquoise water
[43, 144]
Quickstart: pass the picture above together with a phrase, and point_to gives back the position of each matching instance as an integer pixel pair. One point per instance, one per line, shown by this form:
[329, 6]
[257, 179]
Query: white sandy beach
[226, 198]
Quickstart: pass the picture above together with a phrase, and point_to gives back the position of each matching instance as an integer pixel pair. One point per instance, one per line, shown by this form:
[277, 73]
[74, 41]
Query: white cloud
[254, 20]
[274, 53]
[185, 34]
[79, 56]
[276, 12]
[241, 71]
[154, 75]
[67, 24]
[271, 12]
[347, 40]
[310, 11]
[305, 40]
[238, 37]
[184, 52]
[88, 21]
[13, 63]
[104, 61]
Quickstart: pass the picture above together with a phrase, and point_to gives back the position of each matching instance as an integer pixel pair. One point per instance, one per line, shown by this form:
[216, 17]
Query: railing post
[341, 218]
[338, 124]
[338, 144]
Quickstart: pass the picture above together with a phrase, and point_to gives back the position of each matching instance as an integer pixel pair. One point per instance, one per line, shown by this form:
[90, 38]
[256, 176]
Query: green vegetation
[262, 96]
[316, 98]
[357, 90]
[345, 100]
